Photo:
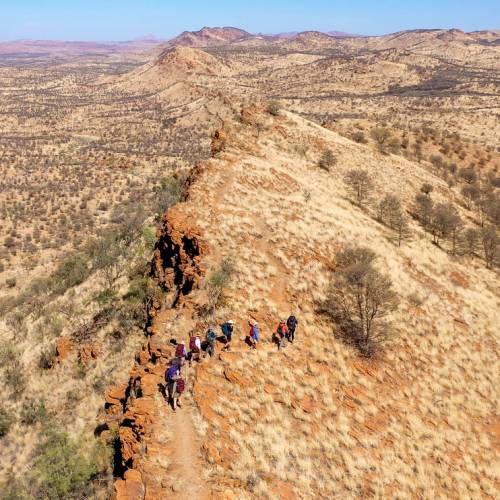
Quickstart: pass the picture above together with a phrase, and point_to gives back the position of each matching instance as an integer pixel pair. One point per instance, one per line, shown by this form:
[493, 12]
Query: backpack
[192, 344]
[281, 329]
[181, 385]
[211, 336]
[292, 322]
[179, 351]
[227, 329]
[171, 373]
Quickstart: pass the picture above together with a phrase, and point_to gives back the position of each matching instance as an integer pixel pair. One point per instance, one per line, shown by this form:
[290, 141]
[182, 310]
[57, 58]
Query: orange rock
[115, 394]
[64, 347]
[131, 487]
[236, 377]
[149, 384]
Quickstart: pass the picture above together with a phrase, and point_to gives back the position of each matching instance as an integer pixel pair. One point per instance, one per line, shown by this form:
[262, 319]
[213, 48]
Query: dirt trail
[185, 462]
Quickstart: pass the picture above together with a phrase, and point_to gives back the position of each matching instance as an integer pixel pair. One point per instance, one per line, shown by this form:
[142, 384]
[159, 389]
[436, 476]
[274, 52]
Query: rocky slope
[315, 419]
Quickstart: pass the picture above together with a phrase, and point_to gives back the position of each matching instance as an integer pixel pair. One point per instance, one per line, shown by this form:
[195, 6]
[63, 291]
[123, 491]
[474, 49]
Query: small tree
[400, 224]
[389, 207]
[426, 188]
[424, 209]
[471, 193]
[217, 282]
[360, 184]
[489, 241]
[327, 160]
[444, 221]
[359, 299]
[470, 240]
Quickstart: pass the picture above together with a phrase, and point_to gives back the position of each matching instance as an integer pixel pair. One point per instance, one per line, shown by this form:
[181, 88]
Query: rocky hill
[209, 36]
[316, 418]
[278, 159]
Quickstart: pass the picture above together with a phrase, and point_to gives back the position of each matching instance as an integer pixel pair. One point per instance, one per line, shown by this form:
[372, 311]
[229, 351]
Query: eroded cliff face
[132, 409]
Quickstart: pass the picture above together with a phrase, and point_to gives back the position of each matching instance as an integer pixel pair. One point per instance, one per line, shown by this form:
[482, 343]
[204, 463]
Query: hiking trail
[185, 467]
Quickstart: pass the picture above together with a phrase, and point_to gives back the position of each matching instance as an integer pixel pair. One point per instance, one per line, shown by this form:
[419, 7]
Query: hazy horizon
[94, 21]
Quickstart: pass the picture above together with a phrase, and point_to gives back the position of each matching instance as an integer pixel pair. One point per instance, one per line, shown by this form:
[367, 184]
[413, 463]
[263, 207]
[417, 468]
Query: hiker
[172, 375]
[281, 334]
[180, 353]
[210, 339]
[254, 335]
[180, 386]
[194, 349]
[227, 330]
[292, 323]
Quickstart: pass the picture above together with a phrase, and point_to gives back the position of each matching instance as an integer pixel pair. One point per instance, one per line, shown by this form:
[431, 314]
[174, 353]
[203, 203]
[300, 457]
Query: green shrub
[15, 378]
[61, 469]
[47, 358]
[72, 272]
[6, 421]
[33, 411]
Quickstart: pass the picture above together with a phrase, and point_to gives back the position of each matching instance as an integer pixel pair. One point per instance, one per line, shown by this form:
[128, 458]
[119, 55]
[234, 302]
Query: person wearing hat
[227, 330]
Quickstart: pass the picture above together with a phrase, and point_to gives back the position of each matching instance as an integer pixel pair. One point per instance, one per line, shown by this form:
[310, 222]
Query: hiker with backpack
[194, 348]
[180, 386]
[210, 339]
[292, 323]
[172, 376]
[254, 335]
[180, 353]
[227, 330]
[281, 334]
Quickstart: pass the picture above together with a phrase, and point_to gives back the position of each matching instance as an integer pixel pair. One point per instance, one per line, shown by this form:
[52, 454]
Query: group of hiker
[175, 382]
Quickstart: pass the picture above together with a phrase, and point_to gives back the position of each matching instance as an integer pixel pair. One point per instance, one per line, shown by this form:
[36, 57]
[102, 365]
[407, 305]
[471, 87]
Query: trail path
[185, 470]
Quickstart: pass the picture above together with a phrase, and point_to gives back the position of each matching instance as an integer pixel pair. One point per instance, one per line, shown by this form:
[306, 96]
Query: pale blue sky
[127, 19]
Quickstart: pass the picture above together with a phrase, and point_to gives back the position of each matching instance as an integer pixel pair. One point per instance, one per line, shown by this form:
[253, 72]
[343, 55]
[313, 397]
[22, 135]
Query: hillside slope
[315, 420]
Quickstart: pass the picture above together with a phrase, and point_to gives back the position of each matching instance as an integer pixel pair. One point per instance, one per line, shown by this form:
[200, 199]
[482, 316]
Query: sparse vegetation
[360, 185]
[359, 300]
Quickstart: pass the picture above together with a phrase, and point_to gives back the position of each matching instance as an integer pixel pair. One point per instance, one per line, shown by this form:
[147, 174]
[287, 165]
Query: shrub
[15, 378]
[217, 282]
[33, 411]
[359, 137]
[273, 108]
[61, 469]
[468, 175]
[359, 299]
[380, 135]
[72, 272]
[47, 358]
[327, 160]
[6, 421]
[10, 282]
[426, 188]
[359, 184]
[168, 193]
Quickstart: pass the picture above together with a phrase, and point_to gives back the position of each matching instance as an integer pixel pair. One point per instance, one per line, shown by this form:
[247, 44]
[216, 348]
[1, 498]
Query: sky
[106, 20]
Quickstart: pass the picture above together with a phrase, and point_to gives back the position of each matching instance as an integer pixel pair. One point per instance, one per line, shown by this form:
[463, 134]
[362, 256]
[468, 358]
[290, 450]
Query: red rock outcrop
[133, 408]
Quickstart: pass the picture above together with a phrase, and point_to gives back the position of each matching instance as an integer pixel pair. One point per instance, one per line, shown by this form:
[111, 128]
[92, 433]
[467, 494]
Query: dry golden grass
[315, 416]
